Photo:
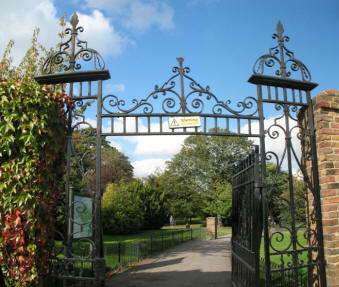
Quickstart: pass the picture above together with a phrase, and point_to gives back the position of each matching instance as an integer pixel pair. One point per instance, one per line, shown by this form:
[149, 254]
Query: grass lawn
[281, 245]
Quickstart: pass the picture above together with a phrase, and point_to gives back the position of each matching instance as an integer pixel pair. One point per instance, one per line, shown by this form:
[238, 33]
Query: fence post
[151, 243]
[119, 248]
[191, 234]
[172, 238]
[162, 241]
[182, 235]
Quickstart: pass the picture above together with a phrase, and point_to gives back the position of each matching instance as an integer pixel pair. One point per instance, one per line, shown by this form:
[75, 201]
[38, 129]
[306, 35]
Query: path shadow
[159, 264]
[192, 278]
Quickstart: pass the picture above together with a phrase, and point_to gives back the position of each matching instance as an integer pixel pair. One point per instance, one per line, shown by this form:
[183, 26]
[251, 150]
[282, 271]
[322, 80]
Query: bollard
[119, 248]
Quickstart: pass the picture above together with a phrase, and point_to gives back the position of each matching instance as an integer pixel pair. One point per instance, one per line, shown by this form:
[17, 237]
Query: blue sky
[219, 39]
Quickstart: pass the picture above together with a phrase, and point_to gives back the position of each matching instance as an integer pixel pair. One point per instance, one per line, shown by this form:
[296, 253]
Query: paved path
[196, 263]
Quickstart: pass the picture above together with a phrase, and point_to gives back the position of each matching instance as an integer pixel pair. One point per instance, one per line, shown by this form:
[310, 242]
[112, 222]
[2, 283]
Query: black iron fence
[122, 254]
[283, 275]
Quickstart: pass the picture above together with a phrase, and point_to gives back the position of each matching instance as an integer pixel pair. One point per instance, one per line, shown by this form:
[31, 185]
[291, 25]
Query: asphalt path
[196, 263]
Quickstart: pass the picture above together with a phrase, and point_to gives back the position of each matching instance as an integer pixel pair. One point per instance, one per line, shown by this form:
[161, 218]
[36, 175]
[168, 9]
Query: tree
[202, 173]
[115, 166]
[180, 201]
[154, 203]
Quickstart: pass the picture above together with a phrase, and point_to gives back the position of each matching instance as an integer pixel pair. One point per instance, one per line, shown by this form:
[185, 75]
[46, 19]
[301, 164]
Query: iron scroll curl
[71, 52]
[170, 99]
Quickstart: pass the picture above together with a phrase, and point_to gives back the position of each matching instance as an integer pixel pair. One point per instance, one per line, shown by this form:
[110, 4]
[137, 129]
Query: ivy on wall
[32, 129]
[32, 163]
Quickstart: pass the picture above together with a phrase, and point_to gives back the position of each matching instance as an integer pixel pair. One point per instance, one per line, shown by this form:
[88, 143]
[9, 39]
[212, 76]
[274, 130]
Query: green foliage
[32, 129]
[154, 203]
[279, 196]
[129, 206]
[122, 209]
[199, 176]
[181, 201]
[218, 201]
[115, 166]
[32, 125]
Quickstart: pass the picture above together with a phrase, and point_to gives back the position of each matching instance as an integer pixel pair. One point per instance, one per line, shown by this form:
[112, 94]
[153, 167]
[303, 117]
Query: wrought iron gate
[246, 221]
[272, 115]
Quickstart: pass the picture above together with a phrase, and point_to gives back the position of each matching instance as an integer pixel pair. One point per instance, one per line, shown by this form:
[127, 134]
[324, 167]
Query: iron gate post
[62, 68]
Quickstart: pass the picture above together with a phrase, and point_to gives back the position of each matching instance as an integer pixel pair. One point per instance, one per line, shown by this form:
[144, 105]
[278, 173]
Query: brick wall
[326, 120]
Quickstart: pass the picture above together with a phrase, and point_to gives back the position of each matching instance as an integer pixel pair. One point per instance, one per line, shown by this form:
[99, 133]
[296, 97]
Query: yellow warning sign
[183, 122]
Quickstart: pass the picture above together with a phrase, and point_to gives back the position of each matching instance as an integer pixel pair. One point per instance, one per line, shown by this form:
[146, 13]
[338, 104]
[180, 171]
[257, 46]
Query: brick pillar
[326, 119]
[211, 228]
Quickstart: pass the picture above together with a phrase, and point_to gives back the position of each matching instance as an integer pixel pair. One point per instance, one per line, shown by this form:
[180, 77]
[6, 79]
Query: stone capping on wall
[326, 121]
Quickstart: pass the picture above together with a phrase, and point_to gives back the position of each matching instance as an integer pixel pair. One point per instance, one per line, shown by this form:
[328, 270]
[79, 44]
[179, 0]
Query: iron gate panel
[246, 221]
[292, 221]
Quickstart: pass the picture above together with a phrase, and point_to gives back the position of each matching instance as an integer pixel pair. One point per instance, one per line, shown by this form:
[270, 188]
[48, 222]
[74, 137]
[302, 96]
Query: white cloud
[162, 145]
[196, 2]
[137, 14]
[143, 168]
[144, 15]
[21, 17]
[167, 145]
[114, 88]
[112, 143]
[101, 35]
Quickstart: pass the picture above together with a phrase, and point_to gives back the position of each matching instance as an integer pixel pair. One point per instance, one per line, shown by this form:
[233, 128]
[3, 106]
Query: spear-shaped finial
[74, 20]
[180, 61]
[280, 29]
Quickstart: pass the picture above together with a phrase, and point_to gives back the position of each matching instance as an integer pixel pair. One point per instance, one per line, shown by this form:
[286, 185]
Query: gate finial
[280, 28]
[282, 59]
[70, 53]
[74, 20]
[180, 61]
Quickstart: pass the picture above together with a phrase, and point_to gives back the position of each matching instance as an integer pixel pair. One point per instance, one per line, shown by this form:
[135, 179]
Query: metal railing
[283, 276]
[122, 254]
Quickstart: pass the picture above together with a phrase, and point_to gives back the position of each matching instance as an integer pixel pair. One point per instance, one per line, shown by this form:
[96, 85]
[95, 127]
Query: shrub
[122, 210]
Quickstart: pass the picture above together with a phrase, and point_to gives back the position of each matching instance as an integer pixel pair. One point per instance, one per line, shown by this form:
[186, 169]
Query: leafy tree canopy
[199, 176]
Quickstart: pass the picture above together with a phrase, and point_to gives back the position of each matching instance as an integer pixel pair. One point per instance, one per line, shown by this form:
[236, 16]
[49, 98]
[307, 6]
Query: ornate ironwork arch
[182, 96]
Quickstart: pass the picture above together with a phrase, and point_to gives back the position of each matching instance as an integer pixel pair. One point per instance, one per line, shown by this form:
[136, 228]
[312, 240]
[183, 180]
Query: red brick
[326, 150]
[328, 131]
[327, 179]
[331, 171]
[329, 215]
[330, 222]
[333, 200]
[329, 207]
[326, 193]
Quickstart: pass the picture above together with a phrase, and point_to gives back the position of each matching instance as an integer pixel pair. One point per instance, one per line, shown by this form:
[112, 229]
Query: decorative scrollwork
[66, 59]
[277, 58]
[197, 100]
